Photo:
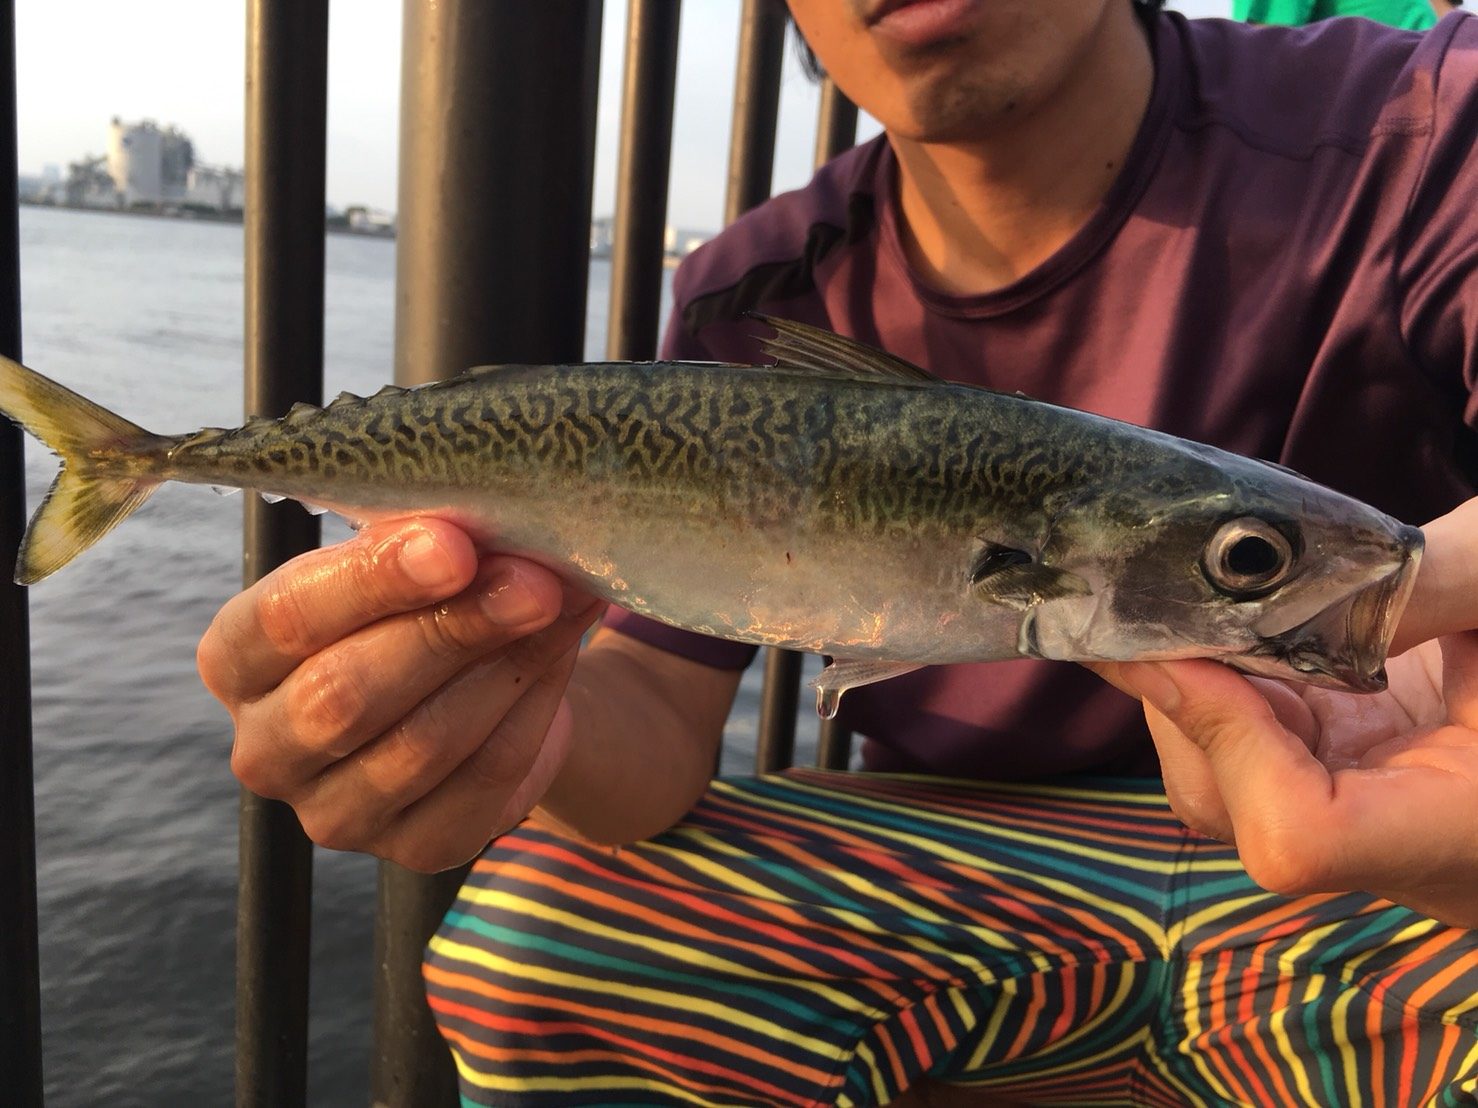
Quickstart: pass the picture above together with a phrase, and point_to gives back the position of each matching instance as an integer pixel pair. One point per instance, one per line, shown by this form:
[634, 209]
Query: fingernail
[425, 562]
[508, 603]
[1151, 681]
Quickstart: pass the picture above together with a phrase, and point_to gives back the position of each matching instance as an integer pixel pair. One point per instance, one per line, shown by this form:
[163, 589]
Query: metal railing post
[497, 137]
[640, 226]
[836, 123]
[756, 107]
[751, 170]
[20, 977]
[836, 130]
[286, 112]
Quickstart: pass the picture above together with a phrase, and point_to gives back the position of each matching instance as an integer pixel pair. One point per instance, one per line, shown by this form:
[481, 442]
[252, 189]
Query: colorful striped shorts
[814, 938]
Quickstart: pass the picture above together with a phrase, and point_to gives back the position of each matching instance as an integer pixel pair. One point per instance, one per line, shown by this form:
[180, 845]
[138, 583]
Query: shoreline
[200, 215]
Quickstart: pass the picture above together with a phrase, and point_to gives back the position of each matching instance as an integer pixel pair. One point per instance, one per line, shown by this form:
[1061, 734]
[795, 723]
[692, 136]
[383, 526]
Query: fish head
[1251, 564]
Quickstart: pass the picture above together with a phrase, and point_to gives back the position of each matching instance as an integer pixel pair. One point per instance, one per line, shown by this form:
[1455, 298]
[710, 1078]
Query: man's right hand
[405, 697]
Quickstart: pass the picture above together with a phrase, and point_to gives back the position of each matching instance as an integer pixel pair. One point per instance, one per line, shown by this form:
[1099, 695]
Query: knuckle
[210, 662]
[500, 761]
[254, 770]
[282, 612]
[332, 828]
[325, 704]
[404, 754]
[450, 633]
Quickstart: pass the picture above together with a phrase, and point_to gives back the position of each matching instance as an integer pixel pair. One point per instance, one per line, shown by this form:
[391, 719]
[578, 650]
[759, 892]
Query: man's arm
[648, 726]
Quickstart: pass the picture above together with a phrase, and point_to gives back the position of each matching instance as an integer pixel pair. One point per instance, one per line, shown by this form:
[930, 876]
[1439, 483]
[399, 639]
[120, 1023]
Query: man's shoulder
[1341, 83]
[770, 251]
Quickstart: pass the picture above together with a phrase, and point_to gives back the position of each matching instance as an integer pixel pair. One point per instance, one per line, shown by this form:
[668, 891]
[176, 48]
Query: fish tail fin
[88, 498]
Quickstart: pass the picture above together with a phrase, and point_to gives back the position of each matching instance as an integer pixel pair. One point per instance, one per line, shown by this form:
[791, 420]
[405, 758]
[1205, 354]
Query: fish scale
[841, 501]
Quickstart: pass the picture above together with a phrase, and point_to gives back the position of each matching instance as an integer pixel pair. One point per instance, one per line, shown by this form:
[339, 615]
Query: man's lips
[920, 22]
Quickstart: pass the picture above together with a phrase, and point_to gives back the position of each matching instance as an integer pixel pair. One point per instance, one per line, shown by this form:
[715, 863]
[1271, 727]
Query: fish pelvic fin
[95, 490]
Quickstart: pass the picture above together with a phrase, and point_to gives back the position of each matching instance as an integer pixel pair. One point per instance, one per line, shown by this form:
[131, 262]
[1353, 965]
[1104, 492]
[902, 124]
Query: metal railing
[496, 165]
[20, 978]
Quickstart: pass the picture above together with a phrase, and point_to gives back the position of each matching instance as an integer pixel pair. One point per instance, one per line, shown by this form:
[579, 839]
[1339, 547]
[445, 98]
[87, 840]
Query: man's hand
[405, 697]
[1323, 791]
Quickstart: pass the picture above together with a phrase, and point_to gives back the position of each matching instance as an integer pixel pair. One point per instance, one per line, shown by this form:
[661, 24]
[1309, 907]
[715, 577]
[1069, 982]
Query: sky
[183, 62]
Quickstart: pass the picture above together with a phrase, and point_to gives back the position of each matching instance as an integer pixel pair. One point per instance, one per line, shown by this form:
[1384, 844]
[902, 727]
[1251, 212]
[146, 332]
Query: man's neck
[980, 214]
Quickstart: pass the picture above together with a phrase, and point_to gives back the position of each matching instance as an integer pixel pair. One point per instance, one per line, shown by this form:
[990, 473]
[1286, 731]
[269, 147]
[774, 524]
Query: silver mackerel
[842, 502]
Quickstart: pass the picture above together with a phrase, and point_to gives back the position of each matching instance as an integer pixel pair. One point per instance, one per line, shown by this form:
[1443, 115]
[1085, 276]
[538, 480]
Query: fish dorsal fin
[343, 399]
[388, 390]
[801, 346]
[300, 411]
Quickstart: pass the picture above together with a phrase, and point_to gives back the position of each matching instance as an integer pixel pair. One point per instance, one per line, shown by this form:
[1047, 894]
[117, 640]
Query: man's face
[949, 70]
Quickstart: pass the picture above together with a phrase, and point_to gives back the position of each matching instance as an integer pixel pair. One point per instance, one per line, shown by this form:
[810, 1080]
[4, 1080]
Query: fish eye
[1246, 557]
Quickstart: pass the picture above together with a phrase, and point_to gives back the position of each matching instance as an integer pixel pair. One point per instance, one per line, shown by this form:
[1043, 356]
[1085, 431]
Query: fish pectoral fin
[841, 675]
[1010, 577]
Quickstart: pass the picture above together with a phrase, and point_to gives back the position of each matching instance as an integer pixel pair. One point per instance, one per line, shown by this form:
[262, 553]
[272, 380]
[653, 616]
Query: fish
[842, 502]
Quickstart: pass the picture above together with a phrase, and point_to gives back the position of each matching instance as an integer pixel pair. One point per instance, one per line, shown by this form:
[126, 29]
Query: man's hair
[812, 65]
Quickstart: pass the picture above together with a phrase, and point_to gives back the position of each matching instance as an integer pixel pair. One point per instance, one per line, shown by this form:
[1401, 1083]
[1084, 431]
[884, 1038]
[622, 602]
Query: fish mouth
[1344, 647]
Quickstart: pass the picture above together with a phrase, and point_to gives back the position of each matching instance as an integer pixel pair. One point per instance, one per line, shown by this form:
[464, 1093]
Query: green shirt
[1416, 15]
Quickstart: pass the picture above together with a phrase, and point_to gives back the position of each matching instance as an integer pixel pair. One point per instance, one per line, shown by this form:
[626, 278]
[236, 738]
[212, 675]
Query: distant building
[215, 188]
[679, 243]
[367, 220]
[89, 185]
[154, 167]
[676, 242]
[150, 166]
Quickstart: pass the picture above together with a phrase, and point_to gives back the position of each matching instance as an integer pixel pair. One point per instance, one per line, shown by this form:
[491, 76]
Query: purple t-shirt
[1284, 268]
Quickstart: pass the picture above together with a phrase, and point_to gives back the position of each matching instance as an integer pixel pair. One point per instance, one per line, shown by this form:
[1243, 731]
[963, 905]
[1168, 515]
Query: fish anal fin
[843, 674]
[801, 346]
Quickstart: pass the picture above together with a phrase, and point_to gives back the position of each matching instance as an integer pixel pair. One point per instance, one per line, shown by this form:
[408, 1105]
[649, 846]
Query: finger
[353, 800]
[1190, 785]
[350, 692]
[1444, 598]
[263, 634]
[1460, 678]
[1299, 828]
[475, 803]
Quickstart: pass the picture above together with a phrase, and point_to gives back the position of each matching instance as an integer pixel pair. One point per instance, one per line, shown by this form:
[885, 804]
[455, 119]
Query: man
[1244, 236]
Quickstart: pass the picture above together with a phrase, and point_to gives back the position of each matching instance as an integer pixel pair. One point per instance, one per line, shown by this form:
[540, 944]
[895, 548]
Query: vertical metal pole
[497, 140]
[751, 169]
[779, 698]
[20, 976]
[641, 178]
[836, 123]
[756, 106]
[836, 130]
[286, 110]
